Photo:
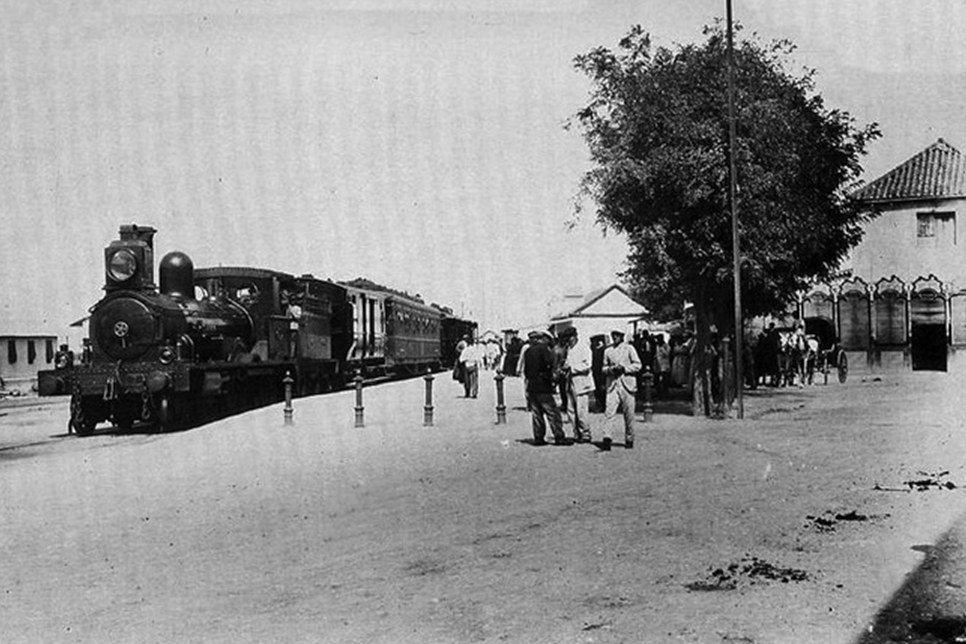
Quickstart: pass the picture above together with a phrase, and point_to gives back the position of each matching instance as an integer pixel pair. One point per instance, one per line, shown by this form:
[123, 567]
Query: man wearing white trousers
[621, 364]
[580, 385]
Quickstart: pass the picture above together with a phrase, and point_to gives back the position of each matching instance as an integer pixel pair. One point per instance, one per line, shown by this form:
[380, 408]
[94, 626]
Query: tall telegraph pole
[735, 241]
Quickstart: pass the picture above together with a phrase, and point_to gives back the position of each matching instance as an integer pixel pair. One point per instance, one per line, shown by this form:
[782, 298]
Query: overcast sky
[418, 143]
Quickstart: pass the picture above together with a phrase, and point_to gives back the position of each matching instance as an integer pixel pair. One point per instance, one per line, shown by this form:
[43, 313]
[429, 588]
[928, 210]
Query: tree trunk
[701, 401]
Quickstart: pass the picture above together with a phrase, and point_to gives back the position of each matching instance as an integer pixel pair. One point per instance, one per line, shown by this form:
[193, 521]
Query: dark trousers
[542, 407]
[471, 381]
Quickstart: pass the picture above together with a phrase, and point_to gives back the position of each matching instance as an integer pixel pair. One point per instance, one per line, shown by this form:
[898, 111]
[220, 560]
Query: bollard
[648, 407]
[288, 397]
[500, 405]
[359, 408]
[428, 409]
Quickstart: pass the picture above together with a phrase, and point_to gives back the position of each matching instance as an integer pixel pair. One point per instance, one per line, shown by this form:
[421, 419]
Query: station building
[900, 302]
[22, 355]
[598, 312]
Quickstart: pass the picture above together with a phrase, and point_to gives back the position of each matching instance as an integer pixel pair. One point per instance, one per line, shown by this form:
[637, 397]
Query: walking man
[621, 366]
[538, 371]
[580, 386]
[471, 358]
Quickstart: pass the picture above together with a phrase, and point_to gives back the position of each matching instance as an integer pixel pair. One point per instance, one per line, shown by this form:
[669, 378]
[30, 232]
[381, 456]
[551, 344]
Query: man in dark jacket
[538, 369]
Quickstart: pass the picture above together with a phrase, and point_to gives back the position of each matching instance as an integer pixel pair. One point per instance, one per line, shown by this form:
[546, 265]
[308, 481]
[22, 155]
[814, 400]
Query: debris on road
[822, 524]
[928, 481]
[852, 516]
[938, 481]
[829, 520]
[749, 569]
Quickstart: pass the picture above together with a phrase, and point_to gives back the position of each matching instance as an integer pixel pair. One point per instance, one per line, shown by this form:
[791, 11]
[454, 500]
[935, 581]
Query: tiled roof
[937, 171]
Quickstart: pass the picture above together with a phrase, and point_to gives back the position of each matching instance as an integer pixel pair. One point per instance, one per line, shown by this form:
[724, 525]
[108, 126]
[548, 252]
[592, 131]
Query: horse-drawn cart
[827, 355]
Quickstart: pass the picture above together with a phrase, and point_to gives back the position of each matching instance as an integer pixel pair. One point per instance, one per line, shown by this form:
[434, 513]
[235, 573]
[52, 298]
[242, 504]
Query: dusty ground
[794, 525]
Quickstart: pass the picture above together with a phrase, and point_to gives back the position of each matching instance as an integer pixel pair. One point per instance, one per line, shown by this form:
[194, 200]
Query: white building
[22, 355]
[600, 311]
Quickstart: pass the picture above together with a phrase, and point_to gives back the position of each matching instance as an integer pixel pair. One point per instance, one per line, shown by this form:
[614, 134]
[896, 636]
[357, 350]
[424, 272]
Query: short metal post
[648, 385]
[360, 422]
[288, 381]
[428, 409]
[500, 405]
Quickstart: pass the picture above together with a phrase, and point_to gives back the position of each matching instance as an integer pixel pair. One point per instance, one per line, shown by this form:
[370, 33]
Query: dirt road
[796, 524]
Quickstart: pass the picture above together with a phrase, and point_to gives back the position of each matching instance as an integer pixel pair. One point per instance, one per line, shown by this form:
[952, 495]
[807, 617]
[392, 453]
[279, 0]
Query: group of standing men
[569, 364]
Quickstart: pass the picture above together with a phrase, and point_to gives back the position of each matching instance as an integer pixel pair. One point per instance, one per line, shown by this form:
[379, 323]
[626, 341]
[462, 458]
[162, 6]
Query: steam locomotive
[211, 342]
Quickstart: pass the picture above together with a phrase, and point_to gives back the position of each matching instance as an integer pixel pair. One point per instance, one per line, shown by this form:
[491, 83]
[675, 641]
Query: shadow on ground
[930, 606]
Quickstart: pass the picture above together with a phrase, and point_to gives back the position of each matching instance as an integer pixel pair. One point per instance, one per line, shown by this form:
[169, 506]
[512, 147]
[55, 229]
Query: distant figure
[493, 353]
[770, 355]
[597, 345]
[471, 357]
[680, 354]
[580, 385]
[459, 373]
[644, 345]
[662, 365]
[560, 347]
[621, 366]
[538, 371]
[749, 350]
[512, 357]
[521, 363]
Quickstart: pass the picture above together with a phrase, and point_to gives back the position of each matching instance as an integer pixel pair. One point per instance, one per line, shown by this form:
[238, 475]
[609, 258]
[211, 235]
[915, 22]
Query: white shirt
[472, 355]
[578, 360]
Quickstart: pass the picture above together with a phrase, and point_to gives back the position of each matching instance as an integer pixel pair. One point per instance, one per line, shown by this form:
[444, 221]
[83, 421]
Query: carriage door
[359, 326]
[928, 317]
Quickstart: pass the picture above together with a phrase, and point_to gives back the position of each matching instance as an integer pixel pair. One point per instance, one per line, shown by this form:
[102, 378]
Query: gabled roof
[939, 171]
[630, 306]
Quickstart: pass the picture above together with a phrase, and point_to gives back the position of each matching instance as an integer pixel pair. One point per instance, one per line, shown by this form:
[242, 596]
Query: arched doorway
[927, 312]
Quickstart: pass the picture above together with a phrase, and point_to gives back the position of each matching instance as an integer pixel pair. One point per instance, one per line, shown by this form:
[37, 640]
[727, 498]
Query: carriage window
[11, 351]
[49, 351]
[31, 351]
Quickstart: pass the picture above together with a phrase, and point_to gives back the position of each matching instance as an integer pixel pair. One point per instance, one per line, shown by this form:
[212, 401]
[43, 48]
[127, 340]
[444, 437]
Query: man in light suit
[621, 365]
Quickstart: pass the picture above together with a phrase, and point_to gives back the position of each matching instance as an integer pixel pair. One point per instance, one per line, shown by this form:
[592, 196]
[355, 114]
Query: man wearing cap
[621, 365]
[538, 372]
[579, 383]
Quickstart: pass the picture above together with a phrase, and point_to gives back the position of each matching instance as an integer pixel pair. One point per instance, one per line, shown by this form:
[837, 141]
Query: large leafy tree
[657, 128]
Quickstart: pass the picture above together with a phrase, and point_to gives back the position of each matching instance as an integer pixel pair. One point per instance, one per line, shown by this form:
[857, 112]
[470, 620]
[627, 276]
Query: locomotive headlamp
[62, 361]
[122, 266]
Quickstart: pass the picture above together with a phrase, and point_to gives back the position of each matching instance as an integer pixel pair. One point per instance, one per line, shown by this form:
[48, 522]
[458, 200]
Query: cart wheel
[843, 366]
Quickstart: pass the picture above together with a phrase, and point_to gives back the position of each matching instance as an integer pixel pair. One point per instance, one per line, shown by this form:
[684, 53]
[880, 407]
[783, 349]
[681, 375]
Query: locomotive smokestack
[177, 274]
